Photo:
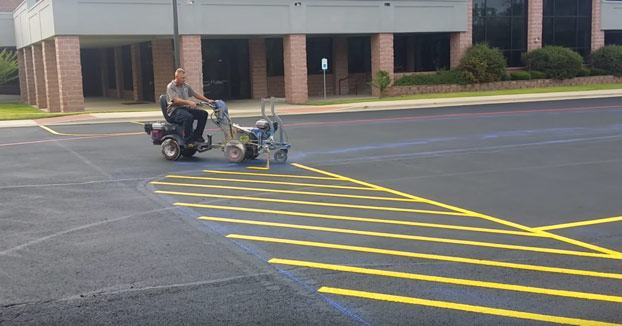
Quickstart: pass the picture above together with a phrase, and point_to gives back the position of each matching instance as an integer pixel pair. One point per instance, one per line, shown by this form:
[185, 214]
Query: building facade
[237, 49]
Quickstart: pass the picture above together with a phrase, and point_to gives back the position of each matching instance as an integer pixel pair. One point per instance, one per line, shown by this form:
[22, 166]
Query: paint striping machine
[238, 143]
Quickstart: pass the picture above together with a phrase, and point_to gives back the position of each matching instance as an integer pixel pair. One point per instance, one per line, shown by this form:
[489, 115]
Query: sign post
[324, 68]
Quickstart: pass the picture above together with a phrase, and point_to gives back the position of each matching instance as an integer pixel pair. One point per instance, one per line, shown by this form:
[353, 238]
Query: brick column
[258, 67]
[163, 65]
[598, 35]
[459, 42]
[30, 76]
[136, 72]
[51, 76]
[69, 73]
[381, 57]
[192, 61]
[534, 24]
[340, 64]
[39, 73]
[23, 84]
[295, 68]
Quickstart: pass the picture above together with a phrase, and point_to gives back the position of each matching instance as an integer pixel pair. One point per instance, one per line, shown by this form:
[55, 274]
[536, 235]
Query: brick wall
[459, 42]
[295, 64]
[163, 65]
[598, 35]
[276, 86]
[382, 56]
[69, 73]
[514, 84]
[258, 73]
[534, 24]
[39, 73]
[192, 61]
[359, 83]
[316, 85]
[51, 76]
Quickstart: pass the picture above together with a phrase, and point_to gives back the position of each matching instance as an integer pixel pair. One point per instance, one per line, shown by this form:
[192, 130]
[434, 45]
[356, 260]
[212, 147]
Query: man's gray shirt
[173, 90]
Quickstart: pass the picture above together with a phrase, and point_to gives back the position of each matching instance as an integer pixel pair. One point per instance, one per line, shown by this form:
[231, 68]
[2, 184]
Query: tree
[8, 66]
[382, 81]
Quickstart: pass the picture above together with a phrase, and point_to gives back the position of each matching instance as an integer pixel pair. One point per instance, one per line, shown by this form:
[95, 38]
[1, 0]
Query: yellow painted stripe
[359, 219]
[465, 307]
[280, 191]
[138, 123]
[311, 185]
[412, 237]
[449, 280]
[429, 256]
[272, 175]
[52, 131]
[467, 212]
[582, 223]
[309, 203]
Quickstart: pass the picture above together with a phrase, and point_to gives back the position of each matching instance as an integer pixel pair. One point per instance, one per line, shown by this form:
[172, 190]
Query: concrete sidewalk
[251, 108]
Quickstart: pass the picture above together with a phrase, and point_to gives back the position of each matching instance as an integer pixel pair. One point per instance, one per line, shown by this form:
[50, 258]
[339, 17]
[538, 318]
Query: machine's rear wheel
[188, 152]
[170, 149]
[280, 156]
[234, 152]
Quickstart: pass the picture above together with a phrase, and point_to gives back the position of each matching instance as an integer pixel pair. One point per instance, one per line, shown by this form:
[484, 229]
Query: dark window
[502, 24]
[126, 57]
[613, 37]
[111, 70]
[568, 23]
[317, 49]
[274, 56]
[432, 52]
[359, 54]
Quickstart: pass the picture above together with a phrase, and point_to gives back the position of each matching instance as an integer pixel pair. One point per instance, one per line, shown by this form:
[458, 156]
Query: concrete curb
[156, 115]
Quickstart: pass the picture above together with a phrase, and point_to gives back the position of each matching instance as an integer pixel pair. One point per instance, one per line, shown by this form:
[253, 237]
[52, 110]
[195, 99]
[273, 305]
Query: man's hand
[192, 105]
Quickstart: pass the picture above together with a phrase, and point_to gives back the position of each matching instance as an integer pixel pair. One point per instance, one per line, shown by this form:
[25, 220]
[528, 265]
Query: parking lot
[497, 214]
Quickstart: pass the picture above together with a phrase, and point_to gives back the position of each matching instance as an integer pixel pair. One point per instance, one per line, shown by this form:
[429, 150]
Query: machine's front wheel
[280, 156]
[170, 149]
[234, 152]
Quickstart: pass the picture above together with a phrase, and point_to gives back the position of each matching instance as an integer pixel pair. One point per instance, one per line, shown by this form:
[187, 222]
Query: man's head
[180, 76]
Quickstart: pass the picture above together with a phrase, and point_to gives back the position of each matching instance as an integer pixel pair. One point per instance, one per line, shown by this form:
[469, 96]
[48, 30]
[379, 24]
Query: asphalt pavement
[502, 214]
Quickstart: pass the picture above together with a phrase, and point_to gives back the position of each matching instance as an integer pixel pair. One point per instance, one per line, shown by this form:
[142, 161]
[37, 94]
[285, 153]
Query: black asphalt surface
[101, 230]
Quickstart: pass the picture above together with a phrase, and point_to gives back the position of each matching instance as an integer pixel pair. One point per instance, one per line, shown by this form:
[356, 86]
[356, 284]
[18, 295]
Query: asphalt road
[453, 216]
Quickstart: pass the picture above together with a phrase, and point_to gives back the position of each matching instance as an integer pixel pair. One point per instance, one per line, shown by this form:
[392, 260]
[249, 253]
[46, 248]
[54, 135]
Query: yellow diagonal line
[311, 185]
[429, 256]
[469, 213]
[271, 175]
[582, 223]
[309, 203]
[465, 307]
[52, 131]
[411, 237]
[448, 280]
[360, 219]
[280, 191]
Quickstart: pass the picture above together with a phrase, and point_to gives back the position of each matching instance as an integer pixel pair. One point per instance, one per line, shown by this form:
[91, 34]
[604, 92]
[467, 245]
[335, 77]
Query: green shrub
[382, 81]
[520, 75]
[482, 63]
[440, 77]
[599, 72]
[556, 61]
[8, 66]
[538, 75]
[608, 58]
[584, 72]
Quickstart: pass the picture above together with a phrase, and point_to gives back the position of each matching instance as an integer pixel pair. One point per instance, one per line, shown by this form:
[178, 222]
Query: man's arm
[179, 101]
[202, 98]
